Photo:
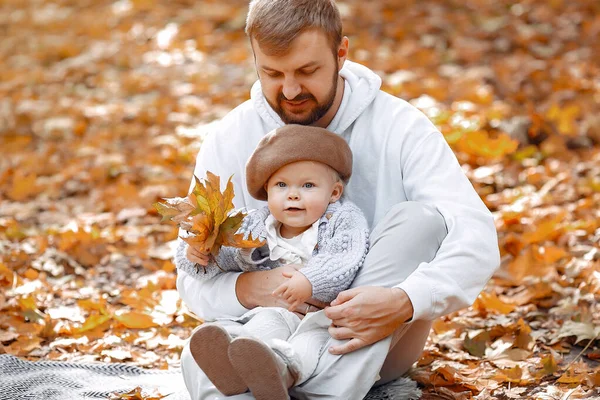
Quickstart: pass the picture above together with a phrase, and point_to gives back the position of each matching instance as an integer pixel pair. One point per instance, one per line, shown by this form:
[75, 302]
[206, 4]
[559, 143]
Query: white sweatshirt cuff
[228, 299]
[420, 295]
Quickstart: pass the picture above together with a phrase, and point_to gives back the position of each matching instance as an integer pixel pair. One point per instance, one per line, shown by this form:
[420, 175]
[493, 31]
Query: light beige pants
[409, 234]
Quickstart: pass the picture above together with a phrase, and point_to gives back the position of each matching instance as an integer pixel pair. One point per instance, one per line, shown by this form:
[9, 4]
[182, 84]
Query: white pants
[299, 343]
[410, 233]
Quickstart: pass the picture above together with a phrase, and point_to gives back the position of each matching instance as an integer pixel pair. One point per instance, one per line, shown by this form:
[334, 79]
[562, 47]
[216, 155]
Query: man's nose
[291, 88]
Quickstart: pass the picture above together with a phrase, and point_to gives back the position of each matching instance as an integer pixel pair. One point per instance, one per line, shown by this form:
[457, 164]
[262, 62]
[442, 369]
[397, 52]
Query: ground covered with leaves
[103, 106]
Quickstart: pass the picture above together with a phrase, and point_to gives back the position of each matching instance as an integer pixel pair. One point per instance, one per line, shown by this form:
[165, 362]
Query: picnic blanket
[54, 380]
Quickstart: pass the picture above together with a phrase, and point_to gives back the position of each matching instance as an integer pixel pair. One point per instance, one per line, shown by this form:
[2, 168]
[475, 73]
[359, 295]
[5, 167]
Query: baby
[301, 172]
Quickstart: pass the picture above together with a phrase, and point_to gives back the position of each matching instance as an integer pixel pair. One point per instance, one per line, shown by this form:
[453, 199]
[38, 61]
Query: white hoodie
[398, 155]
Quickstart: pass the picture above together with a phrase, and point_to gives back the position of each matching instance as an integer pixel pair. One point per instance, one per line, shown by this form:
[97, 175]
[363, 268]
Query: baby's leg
[264, 372]
[209, 346]
[210, 343]
[302, 351]
[271, 323]
[269, 367]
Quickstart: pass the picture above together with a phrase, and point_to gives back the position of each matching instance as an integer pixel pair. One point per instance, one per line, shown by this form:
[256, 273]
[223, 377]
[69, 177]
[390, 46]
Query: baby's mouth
[293, 209]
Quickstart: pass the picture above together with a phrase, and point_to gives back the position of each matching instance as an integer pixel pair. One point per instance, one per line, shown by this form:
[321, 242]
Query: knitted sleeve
[229, 259]
[340, 254]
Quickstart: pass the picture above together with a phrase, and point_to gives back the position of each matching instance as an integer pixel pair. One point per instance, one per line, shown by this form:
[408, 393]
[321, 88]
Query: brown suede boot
[209, 346]
[263, 371]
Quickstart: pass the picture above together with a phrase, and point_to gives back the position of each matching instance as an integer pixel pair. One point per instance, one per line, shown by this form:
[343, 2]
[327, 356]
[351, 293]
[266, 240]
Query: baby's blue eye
[280, 184]
[309, 185]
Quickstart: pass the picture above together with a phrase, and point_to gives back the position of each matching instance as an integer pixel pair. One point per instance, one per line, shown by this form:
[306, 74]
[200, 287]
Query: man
[433, 242]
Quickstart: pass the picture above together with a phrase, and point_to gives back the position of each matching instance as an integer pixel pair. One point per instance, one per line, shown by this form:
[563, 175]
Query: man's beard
[315, 114]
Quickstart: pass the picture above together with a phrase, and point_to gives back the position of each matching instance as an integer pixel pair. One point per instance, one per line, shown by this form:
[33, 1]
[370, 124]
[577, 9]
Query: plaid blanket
[53, 380]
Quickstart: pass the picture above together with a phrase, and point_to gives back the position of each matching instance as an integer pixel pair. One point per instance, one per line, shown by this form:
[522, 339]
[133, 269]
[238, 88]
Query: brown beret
[292, 143]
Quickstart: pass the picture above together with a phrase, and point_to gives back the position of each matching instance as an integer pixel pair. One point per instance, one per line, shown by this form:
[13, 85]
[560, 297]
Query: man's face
[300, 85]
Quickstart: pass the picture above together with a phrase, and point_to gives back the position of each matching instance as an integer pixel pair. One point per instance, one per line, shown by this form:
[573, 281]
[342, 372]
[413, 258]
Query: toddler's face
[299, 193]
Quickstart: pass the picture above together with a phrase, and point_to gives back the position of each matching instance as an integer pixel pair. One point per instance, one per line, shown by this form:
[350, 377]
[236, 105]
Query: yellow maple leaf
[207, 213]
[490, 301]
[548, 229]
[549, 364]
[565, 118]
[136, 320]
[513, 374]
[94, 321]
[571, 377]
[480, 144]
[24, 186]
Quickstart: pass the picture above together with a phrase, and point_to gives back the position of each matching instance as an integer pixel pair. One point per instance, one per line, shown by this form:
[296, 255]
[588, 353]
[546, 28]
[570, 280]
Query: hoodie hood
[361, 85]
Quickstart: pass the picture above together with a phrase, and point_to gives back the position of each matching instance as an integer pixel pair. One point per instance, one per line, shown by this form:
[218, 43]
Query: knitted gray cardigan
[343, 242]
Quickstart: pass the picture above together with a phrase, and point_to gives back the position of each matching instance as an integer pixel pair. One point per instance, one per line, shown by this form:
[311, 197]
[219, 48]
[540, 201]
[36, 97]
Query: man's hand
[254, 289]
[296, 290]
[366, 315]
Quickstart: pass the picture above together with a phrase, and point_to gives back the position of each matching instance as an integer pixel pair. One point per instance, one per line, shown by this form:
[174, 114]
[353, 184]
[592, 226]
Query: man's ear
[342, 53]
[336, 193]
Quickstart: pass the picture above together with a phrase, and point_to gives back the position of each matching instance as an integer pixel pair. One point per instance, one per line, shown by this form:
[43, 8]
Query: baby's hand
[197, 256]
[295, 291]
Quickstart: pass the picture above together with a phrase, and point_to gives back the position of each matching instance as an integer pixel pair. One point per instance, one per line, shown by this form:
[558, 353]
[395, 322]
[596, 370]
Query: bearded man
[433, 241]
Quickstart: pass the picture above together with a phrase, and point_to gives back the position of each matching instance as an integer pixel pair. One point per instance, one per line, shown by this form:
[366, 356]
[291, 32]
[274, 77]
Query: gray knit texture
[342, 245]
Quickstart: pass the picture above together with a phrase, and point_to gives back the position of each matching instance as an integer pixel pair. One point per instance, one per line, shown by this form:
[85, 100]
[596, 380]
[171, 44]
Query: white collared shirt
[296, 250]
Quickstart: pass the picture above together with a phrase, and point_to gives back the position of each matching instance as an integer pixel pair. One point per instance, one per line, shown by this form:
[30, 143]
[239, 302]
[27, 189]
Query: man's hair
[274, 24]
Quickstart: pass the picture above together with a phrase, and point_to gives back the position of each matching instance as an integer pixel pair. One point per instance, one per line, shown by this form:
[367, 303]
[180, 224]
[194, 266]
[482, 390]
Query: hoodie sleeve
[229, 259]
[469, 254]
[214, 297]
[340, 256]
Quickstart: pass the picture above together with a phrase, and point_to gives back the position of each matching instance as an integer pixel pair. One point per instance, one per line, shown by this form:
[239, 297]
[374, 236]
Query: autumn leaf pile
[103, 107]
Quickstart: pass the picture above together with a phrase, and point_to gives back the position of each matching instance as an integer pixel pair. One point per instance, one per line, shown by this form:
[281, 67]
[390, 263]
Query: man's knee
[423, 221]
[409, 234]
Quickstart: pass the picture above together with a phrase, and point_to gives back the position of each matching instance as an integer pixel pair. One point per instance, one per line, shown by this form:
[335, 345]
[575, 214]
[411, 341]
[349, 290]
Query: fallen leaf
[581, 330]
[135, 320]
[135, 394]
[8, 336]
[117, 354]
[549, 364]
[94, 321]
[491, 302]
[476, 346]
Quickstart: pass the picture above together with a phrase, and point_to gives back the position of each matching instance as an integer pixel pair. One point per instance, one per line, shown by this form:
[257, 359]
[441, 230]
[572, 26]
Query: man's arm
[466, 260]
[210, 299]
[215, 297]
[256, 288]
[366, 315]
[231, 294]
[469, 254]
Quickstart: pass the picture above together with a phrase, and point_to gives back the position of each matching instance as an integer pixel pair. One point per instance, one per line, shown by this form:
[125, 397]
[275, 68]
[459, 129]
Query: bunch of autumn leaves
[208, 215]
